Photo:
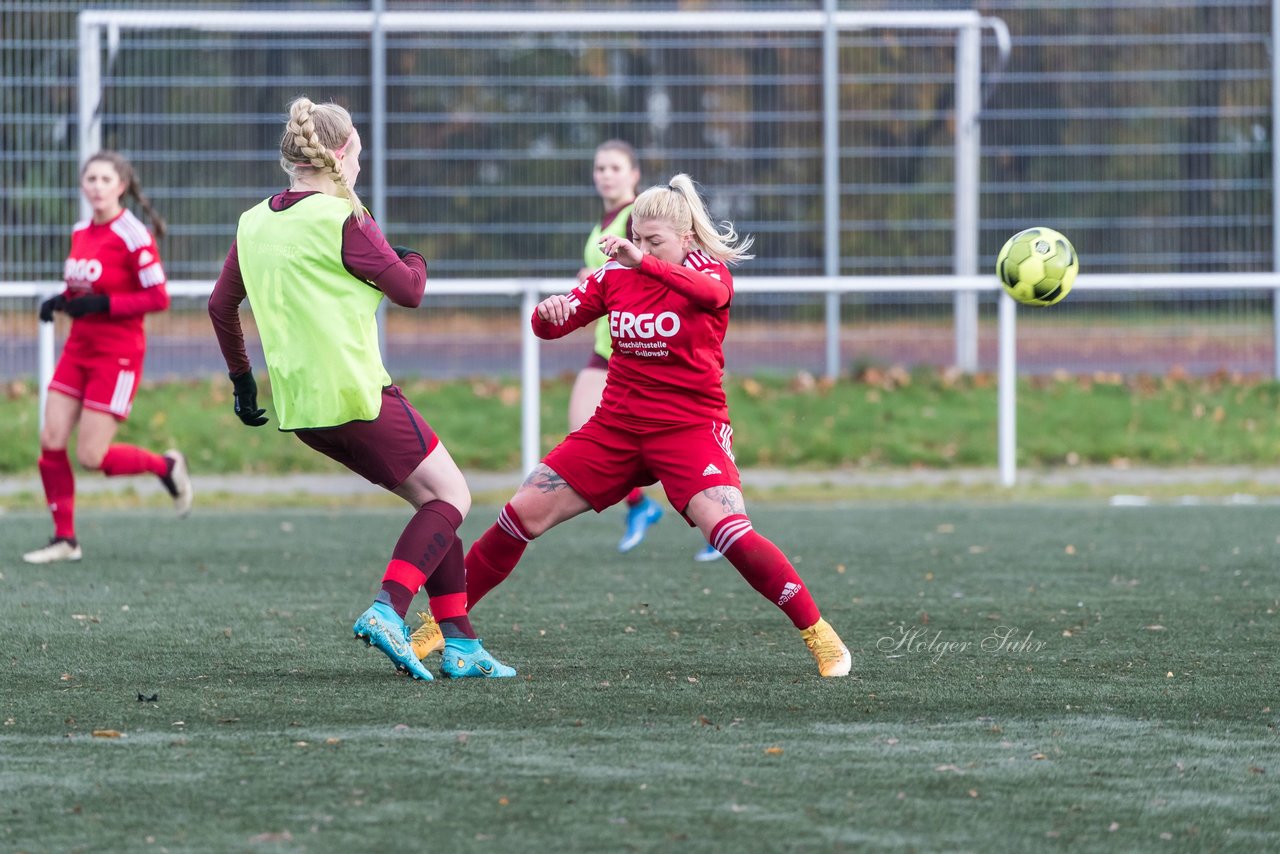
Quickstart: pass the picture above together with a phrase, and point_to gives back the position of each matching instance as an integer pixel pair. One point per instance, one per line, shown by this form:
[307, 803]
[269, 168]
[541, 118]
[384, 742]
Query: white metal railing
[531, 291]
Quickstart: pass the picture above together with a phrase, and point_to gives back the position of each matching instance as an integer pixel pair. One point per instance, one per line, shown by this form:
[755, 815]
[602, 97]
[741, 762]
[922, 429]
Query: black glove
[246, 400]
[402, 252]
[88, 304]
[52, 304]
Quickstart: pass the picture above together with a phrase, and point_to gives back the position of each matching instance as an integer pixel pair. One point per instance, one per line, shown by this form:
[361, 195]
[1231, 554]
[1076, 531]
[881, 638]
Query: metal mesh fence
[1141, 130]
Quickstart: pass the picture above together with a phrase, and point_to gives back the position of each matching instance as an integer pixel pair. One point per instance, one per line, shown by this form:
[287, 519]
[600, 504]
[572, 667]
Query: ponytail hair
[313, 138]
[129, 178]
[679, 204]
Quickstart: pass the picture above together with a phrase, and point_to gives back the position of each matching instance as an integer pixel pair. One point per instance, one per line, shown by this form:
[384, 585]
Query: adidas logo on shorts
[710, 470]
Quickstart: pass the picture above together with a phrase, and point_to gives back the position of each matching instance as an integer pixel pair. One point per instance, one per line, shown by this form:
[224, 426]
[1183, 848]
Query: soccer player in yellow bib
[315, 266]
[616, 173]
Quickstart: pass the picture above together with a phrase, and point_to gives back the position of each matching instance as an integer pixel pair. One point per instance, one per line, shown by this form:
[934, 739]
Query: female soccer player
[616, 173]
[113, 277]
[315, 266]
[663, 416]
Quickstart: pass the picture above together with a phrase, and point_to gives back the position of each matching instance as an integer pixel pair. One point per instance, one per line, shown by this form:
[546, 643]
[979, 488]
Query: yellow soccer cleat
[828, 650]
[426, 638]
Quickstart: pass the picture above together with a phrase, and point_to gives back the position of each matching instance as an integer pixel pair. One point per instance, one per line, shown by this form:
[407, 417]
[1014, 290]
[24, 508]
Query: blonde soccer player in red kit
[663, 416]
[114, 278]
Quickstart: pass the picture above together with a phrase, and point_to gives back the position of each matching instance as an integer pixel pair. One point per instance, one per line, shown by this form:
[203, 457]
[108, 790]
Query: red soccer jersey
[120, 259]
[667, 324]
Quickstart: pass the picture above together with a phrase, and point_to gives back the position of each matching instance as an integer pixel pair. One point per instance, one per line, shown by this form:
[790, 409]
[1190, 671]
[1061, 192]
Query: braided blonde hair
[679, 204]
[311, 136]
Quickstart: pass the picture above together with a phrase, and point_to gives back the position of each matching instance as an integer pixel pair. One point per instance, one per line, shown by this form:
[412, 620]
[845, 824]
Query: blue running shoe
[707, 553]
[464, 657]
[639, 518]
[381, 627]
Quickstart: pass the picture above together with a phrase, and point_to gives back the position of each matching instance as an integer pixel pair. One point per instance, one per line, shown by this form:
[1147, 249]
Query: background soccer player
[315, 266]
[616, 173]
[663, 416]
[113, 277]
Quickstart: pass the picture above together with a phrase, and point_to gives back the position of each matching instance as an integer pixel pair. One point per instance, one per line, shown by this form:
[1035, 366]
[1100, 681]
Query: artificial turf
[661, 704]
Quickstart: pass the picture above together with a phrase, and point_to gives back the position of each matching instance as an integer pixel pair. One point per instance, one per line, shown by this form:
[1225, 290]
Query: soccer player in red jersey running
[315, 267]
[113, 277]
[663, 416]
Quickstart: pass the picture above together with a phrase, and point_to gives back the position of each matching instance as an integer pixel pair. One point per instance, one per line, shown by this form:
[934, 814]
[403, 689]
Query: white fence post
[530, 381]
[831, 181]
[1007, 392]
[968, 155]
[45, 363]
[89, 95]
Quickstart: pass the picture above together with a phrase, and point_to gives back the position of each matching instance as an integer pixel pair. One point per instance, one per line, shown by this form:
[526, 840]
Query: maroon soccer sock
[635, 496]
[423, 544]
[447, 595]
[129, 459]
[494, 555]
[59, 491]
[765, 568]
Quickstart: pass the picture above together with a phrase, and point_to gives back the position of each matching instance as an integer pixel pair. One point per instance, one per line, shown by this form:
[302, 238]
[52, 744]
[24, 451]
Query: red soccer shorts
[105, 383]
[604, 462]
[385, 450]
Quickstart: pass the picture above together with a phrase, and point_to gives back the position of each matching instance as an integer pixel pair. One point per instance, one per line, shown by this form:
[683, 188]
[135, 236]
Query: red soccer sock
[451, 613]
[447, 595]
[765, 568]
[423, 544]
[635, 496]
[59, 490]
[400, 583]
[494, 555]
[130, 459]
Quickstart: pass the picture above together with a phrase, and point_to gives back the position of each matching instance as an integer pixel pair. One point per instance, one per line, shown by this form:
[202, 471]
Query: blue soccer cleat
[465, 657]
[382, 627]
[707, 553]
[639, 519]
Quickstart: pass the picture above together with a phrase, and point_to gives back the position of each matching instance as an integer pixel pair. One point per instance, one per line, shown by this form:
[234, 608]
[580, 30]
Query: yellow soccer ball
[1037, 266]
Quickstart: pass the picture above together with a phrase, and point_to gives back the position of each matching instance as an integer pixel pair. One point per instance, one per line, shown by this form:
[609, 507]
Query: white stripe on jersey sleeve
[703, 263]
[81, 225]
[131, 230]
[151, 276]
[611, 264]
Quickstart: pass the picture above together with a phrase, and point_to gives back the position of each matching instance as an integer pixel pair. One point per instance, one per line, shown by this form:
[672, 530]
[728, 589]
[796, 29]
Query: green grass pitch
[661, 704]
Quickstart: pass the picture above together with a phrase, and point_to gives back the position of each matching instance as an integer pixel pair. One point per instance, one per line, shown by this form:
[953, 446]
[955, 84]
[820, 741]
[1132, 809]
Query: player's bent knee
[462, 503]
[89, 460]
[55, 436]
